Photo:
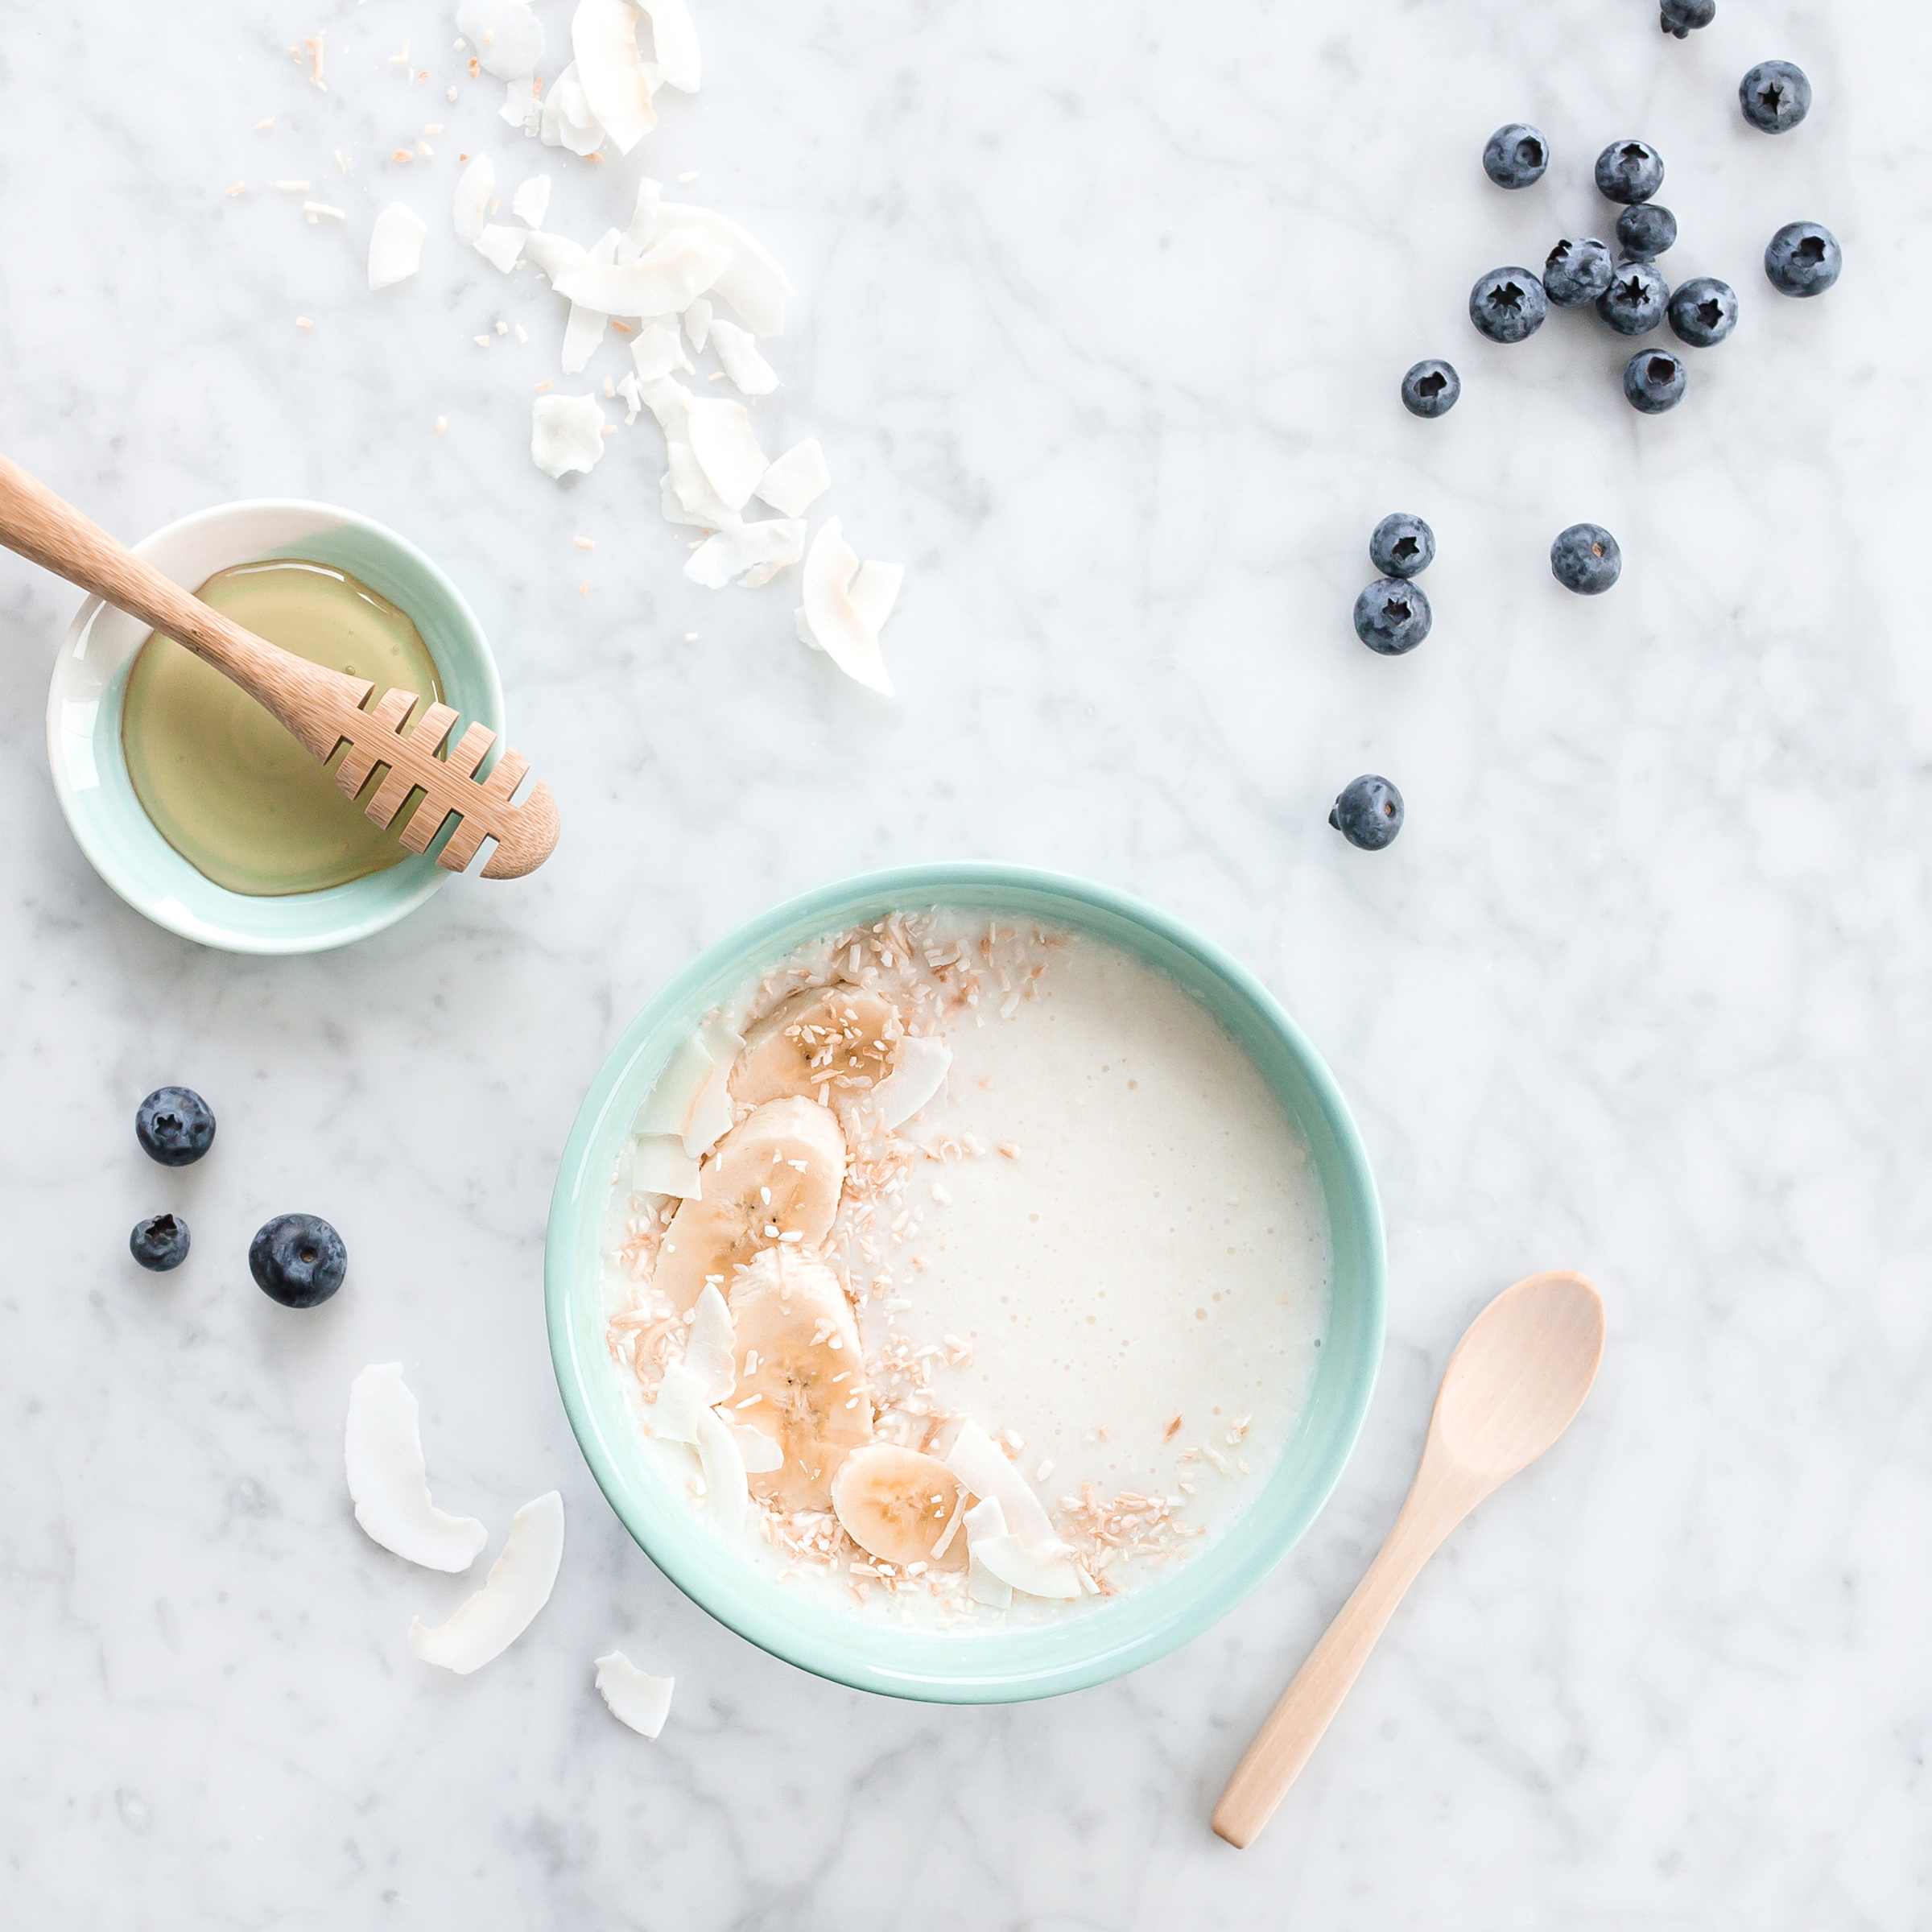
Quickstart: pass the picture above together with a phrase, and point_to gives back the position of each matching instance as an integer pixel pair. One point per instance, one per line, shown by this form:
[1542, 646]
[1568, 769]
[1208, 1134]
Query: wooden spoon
[1516, 1379]
[321, 708]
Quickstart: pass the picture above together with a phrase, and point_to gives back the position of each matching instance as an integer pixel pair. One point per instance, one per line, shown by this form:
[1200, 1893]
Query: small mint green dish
[997, 1665]
[83, 726]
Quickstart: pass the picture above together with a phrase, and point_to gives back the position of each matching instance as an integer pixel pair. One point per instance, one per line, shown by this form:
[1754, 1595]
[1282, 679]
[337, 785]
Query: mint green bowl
[83, 726]
[995, 1665]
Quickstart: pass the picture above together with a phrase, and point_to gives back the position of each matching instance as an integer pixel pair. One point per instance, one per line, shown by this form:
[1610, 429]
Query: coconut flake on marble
[688, 497]
[874, 592]
[395, 245]
[584, 330]
[680, 264]
[501, 247]
[518, 1586]
[603, 41]
[566, 434]
[754, 552]
[738, 355]
[655, 349]
[720, 437]
[674, 44]
[633, 398]
[635, 1699]
[659, 1165]
[642, 229]
[753, 283]
[697, 322]
[727, 1493]
[796, 480]
[532, 201]
[389, 1481]
[474, 187]
[707, 1347]
[552, 253]
[520, 107]
[507, 37]
[917, 1073]
[838, 624]
[567, 121]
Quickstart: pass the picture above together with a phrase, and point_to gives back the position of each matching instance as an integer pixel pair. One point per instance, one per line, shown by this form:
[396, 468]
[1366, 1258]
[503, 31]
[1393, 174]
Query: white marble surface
[1101, 319]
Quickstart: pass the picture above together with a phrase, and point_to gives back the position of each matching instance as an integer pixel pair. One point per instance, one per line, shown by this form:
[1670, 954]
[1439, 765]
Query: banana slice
[839, 1037]
[797, 1349]
[896, 1503]
[777, 1172]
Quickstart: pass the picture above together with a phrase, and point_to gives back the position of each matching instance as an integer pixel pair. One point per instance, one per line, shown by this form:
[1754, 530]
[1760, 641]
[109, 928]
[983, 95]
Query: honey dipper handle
[39, 525]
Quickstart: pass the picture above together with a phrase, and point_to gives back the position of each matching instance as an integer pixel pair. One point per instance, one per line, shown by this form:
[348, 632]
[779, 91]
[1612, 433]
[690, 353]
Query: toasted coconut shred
[873, 1053]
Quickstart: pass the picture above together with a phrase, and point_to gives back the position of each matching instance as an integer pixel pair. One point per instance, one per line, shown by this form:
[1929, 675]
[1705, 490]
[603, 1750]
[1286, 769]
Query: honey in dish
[224, 784]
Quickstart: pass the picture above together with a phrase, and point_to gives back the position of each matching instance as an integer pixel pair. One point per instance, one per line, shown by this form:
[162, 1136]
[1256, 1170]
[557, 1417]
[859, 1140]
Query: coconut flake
[566, 433]
[984, 1523]
[674, 1094]
[474, 187]
[603, 40]
[689, 498]
[678, 1403]
[655, 349]
[738, 353]
[634, 399]
[874, 592]
[641, 1701]
[518, 1586]
[643, 227]
[720, 437]
[755, 552]
[567, 121]
[836, 623]
[584, 330]
[520, 107]
[382, 1449]
[917, 1075]
[674, 44]
[983, 1468]
[707, 1348]
[500, 247]
[697, 322]
[395, 245]
[680, 264]
[659, 1165]
[796, 480]
[711, 1114]
[553, 254]
[753, 284]
[531, 202]
[508, 37]
[1037, 1572]
[761, 1455]
[725, 1488]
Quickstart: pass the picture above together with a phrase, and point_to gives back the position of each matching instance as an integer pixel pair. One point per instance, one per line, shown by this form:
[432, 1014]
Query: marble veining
[1101, 313]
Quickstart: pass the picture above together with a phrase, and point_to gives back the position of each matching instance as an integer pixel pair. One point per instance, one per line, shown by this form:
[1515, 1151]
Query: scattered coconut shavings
[388, 1482]
[707, 1348]
[292, 187]
[474, 190]
[313, 208]
[314, 49]
[697, 322]
[566, 119]
[643, 1703]
[501, 247]
[634, 401]
[984, 1470]
[917, 1075]
[641, 229]
[603, 41]
[674, 44]
[518, 1586]
[553, 254]
[688, 493]
[395, 245]
[839, 620]
[532, 201]
[508, 37]
[585, 329]
[720, 437]
[726, 1490]
[753, 283]
[655, 349]
[738, 352]
[796, 480]
[520, 107]
[661, 281]
[874, 592]
[754, 553]
[659, 1165]
[566, 434]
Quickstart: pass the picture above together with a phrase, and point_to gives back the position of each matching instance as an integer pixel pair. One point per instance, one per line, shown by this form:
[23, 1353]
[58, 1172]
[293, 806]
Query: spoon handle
[41, 525]
[1285, 1742]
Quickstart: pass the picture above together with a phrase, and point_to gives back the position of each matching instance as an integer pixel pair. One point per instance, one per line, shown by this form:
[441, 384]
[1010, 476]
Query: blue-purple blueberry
[1802, 258]
[1401, 545]
[1507, 305]
[1585, 558]
[1646, 230]
[1578, 271]
[1629, 172]
[159, 1243]
[1635, 300]
[1683, 17]
[297, 1259]
[1653, 380]
[1430, 388]
[175, 1126]
[1516, 156]
[1702, 311]
[1392, 616]
[1368, 812]
[1775, 96]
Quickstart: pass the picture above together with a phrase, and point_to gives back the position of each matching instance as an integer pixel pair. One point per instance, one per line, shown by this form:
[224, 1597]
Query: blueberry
[1585, 558]
[297, 1259]
[1578, 271]
[173, 1126]
[1653, 380]
[1681, 17]
[160, 1242]
[1392, 616]
[1774, 95]
[1508, 304]
[1802, 259]
[1430, 389]
[1368, 812]
[1635, 302]
[1629, 172]
[1401, 545]
[1646, 230]
[1703, 311]
[1516, 156]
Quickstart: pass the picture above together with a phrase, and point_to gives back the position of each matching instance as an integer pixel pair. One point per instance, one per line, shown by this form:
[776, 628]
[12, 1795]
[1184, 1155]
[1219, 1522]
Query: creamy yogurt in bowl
[965, 1282]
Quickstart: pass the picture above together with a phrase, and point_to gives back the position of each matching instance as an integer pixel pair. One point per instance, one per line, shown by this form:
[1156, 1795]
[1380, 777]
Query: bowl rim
[578, 1191]
[126, 879]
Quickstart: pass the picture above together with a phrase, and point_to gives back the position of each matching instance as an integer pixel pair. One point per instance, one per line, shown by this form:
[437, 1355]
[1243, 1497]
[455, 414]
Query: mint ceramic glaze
[84, 726]
[994, 1664]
